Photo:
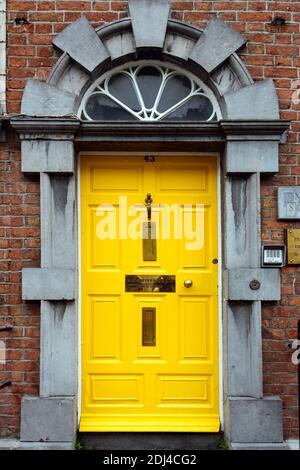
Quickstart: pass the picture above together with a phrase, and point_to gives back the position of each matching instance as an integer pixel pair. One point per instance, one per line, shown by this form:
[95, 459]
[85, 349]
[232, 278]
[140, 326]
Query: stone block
[149, 21]
[16, 444]
[47, 284]
[120, 45]
[251, 156]
[242, 221]
[267, 281]
[243, 350]
[58, 245]
[217, 42]
[47, 156]
[41, 99]
[178, 46]
[225, 80]
[250, 420]
[48, 419]
[259, 446]
[58, 363]
[82, 44]
[257, 101]
[72, 80]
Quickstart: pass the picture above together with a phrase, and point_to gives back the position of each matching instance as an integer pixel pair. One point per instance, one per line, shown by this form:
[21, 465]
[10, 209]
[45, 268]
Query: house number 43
[150, 158]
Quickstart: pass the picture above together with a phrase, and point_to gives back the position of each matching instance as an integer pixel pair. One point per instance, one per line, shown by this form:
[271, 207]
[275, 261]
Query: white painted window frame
[101, 87]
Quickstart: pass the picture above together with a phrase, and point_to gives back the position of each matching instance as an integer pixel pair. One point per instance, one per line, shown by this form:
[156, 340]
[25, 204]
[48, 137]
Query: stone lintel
[68, 128]
[56, 128]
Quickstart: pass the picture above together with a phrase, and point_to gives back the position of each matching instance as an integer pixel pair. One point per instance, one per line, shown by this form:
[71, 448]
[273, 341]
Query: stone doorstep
[149, 440]
[16, 444]
[259, 446]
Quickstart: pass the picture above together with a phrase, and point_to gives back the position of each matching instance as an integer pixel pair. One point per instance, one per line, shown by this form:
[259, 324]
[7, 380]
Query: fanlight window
[148, 92]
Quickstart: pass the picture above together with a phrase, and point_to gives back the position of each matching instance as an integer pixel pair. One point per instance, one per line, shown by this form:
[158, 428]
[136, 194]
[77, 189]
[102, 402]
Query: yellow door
[149, 344]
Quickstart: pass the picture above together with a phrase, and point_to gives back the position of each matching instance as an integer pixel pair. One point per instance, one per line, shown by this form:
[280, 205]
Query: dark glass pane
[197, 108]
[121, 87]
[101, 108]
[149, 80]
[176, 89]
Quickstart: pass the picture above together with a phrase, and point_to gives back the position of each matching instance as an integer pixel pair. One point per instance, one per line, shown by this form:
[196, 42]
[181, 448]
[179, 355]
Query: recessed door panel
[193, 328]
[105, 326]
[180, 390]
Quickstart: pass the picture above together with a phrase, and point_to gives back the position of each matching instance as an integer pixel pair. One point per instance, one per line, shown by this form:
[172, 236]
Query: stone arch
[210, 54]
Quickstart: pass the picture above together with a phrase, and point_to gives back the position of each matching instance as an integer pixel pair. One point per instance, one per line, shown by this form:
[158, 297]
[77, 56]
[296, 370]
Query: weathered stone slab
[244, 156]
[239, 284]
[82, 43]
[242, 221]
[16, 444]
[58, 363]
[259, 446]
[49, 156]
[225, 80]
[243, 350]
[47, 284]
[217, 42]
[41, 99]
[178, 46]
[120, 45]
[253, 420]
[257, 101]
[58, 245]
[149, 21]
[48, 419]
[73, 79]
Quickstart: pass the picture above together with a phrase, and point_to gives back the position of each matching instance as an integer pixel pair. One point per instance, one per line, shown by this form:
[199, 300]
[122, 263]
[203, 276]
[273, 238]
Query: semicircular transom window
[150, 92]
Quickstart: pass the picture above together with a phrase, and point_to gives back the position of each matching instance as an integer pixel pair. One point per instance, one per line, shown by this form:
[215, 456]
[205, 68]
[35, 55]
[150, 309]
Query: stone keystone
[149, 21]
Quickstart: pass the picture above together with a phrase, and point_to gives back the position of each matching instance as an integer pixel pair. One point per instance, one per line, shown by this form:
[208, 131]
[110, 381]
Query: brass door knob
[188, 283]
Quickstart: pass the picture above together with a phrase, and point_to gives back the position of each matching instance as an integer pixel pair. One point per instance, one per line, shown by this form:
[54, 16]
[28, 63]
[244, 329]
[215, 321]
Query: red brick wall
[272, 51]
[19, 247]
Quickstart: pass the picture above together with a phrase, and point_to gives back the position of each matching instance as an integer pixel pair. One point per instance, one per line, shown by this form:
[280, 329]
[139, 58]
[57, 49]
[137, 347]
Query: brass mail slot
[148, 326]
[149, 241]
[134, 283]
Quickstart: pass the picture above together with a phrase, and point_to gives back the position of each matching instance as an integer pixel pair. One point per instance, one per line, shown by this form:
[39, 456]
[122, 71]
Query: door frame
[113, 154]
